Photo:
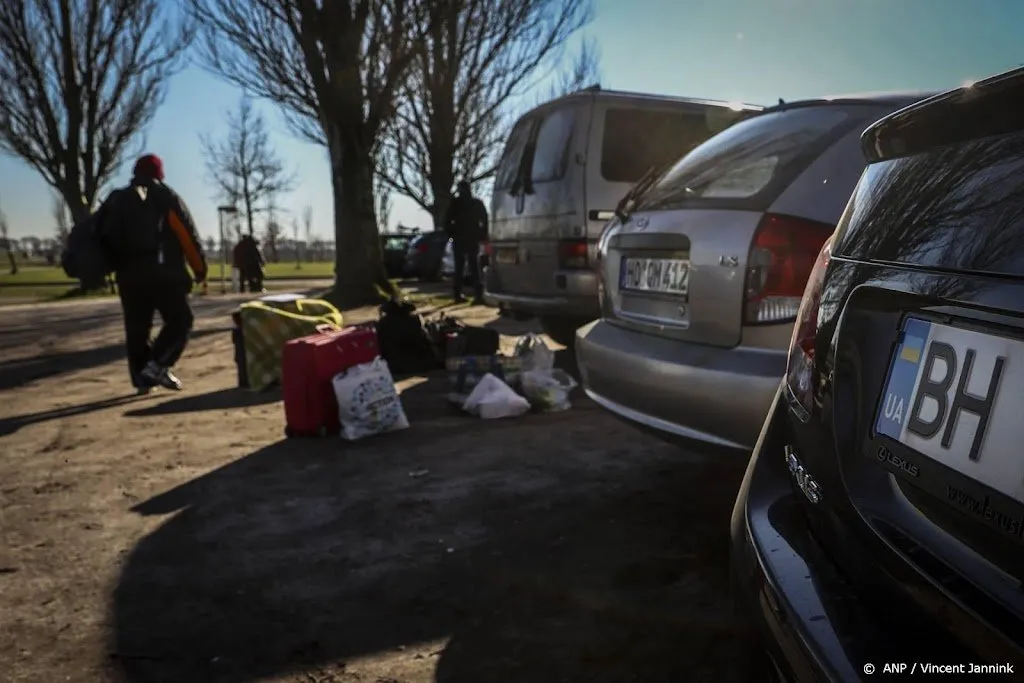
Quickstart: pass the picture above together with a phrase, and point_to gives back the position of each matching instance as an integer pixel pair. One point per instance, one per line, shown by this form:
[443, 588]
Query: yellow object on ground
[268, 325]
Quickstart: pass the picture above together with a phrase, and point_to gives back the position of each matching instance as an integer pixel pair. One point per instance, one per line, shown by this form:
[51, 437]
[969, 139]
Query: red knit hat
[149, 166]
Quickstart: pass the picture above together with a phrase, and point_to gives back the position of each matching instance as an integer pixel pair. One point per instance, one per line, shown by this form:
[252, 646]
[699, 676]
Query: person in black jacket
[466, 225]
[151, 238]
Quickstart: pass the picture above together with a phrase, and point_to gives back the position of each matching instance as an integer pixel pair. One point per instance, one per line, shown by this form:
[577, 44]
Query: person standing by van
[466, 225]
[151, 237]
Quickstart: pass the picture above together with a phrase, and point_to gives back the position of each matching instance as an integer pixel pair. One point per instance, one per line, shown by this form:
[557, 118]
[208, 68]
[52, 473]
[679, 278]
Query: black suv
[879, 528]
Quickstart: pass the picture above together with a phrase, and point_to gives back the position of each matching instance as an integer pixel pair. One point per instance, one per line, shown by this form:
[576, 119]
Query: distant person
[236, 265]
[251, 264]
[151, 238]
[466, 225]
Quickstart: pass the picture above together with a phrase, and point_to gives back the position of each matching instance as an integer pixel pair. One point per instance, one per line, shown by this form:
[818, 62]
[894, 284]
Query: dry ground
[181, 538]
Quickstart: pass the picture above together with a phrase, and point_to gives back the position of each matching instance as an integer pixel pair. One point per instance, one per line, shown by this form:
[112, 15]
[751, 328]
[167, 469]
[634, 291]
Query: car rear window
[396, 243]
[750, 162]
[957, 207]
[634, 140]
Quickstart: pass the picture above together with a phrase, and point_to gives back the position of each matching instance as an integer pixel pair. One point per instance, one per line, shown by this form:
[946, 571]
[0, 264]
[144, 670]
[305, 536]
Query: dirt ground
[180, 537]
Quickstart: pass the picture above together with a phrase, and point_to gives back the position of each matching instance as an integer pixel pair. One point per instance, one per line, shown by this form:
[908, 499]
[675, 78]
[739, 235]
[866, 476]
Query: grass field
[53, 275]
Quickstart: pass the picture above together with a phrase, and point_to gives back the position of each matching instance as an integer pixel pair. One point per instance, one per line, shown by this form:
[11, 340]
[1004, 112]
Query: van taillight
[572, 253]
[800, 364]
[781, 259]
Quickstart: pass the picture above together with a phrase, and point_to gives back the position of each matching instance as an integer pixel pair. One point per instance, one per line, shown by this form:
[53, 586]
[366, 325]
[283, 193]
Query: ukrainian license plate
[660, 275]
[506, 255]
[953, 396]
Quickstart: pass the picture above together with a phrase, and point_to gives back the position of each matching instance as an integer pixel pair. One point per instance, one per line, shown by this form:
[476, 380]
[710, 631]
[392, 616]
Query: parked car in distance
[701, 283]
[448, 261]
[563, 170]
[423, 258]
[881, 516]
[394, 248]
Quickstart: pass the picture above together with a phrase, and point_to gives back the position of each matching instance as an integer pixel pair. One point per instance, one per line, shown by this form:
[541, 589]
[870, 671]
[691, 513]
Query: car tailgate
[653, 249]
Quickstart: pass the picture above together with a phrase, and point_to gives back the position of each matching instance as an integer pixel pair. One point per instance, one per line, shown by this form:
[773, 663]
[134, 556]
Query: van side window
[508, 167]
[551, 155]
[636, 139]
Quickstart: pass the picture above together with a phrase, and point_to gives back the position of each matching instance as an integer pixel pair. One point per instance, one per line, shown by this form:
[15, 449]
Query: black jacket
[466, 220]
[150, 235]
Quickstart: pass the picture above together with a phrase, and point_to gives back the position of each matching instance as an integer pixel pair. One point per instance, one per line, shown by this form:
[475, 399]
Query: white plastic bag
[548, 389]
[491, 398]
[535, 354]
[368, 402]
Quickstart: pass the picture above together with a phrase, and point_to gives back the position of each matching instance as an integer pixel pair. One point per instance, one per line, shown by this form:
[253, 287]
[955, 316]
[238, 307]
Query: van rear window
[753, 160]
[634, 140]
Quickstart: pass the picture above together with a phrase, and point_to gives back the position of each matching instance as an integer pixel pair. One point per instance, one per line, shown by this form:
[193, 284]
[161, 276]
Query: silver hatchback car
[701, 282]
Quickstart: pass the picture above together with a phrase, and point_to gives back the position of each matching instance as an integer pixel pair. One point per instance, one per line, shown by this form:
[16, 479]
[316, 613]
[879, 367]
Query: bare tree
[211, 248]
[271, 234]
[273, 229]
[334, 67]
[61, 220]
[307, 227]
[295, 235]
[81, 79]
[477, 57]
[244, 166]
[5, 237]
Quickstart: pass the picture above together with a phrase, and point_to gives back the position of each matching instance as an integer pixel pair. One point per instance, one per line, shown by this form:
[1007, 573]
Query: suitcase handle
[324, 328]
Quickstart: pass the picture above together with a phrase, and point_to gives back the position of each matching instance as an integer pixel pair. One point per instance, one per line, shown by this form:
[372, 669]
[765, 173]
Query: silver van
[566, 165]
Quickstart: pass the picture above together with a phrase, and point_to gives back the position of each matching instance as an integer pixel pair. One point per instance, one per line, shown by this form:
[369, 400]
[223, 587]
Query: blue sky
[750, 50]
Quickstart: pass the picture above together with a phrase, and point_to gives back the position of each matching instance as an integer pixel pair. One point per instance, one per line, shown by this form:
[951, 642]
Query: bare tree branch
[244, 167]
[61, 222]
[81, 79]
[335, 68]
[583, 71]
[452, 118]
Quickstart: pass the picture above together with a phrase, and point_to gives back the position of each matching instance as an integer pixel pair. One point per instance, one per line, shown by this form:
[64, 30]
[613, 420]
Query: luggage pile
[338, 380]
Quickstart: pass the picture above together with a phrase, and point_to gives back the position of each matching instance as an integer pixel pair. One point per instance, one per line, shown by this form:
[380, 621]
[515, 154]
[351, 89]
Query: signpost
[221, 212]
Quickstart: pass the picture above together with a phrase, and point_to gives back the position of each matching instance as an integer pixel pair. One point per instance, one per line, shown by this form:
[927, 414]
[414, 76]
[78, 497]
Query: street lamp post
[221, 211]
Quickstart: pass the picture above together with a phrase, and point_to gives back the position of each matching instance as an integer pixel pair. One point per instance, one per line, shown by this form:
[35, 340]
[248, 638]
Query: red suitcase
[307, 367]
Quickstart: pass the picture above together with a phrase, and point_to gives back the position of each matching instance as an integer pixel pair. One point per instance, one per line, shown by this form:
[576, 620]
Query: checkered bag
[267, 326]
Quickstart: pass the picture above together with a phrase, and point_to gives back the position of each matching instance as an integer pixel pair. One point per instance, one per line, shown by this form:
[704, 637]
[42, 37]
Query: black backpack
[86, 257]
[404, 342]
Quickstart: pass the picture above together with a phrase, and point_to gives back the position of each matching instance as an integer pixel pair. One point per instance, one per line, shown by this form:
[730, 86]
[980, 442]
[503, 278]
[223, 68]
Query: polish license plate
[953, 396]
[506, 255]
[660, 275]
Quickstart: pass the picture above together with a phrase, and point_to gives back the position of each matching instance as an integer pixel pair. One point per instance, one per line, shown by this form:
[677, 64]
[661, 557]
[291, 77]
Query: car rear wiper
[624, 209]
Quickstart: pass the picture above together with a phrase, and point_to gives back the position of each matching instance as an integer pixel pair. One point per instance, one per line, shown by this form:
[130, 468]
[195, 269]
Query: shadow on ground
[10, 425]
[590, 557]
[18, 373]
[223, 399]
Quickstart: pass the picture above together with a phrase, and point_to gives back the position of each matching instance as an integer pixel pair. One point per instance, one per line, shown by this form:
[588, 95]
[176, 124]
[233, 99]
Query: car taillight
[422, 248]
[800, 364]
[487, 249]
[572, 253]
[781, 259]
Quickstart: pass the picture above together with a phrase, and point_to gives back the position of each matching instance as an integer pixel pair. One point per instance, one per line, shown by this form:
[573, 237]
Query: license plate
[506, 256]
[664, 276]
[952, 395]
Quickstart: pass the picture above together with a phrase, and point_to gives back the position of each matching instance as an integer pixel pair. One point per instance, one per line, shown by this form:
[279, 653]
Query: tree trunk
[77, 205]
[441, 188]
[359, 277]
[13, 260]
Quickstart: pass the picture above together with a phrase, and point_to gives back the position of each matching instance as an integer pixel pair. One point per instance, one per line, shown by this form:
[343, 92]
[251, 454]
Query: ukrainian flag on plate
[902, 379]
